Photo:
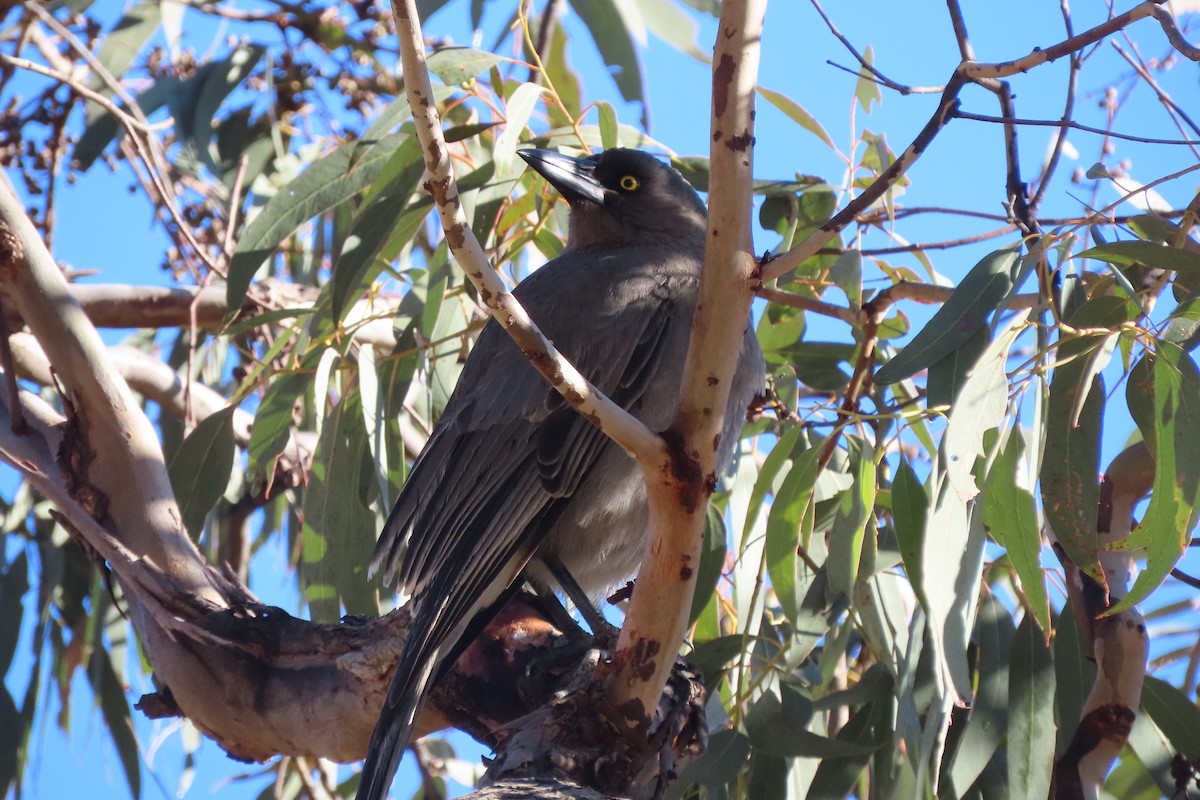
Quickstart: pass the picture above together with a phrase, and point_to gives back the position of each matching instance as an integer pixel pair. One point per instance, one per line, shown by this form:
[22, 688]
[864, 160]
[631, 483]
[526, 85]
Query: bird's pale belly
[601, 537]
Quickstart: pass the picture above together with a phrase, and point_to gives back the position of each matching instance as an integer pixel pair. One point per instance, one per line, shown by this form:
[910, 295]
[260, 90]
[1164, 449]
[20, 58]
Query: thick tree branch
[1117, 643]
[657, 614]
[116, 457]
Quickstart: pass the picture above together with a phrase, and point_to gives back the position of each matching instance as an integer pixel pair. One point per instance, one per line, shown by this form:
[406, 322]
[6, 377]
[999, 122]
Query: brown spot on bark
[716, 136]
[716, 442]
[456, 236]
[685, 470]
[685, 573]
[722, 78]
[644, 651]
[435, 152]
[712, 380]
[740, 143]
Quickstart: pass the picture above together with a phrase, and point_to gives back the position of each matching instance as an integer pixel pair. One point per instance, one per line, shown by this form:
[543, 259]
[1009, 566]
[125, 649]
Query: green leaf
[726, 755]
[117, 718]
[102, 127]
[1010, 514]
[866, 88]
[455, 65]
[854, 510]
[1175, 714]
[981, 292]
[951, 568]
[768, 776]
[276, 415]
[331, 180]
[612, 38]
[836, 777]
[201, 468]
[516, 114]
[910, 506]
[1031, 728]
[1074, 674]
[1068, 480]
[980, 407]
[196, 103]
[1150, 254]
[989, 714]
[338, 534]
[14, 583]
[380, 231]
[793, 502]
[608, 125]
[674, 26]
[12, 731]
[948, 375]
[796, 113]
[712, 560]
[1171, 434]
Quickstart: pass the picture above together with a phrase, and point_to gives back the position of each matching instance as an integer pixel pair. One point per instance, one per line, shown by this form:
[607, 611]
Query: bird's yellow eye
[629, 183]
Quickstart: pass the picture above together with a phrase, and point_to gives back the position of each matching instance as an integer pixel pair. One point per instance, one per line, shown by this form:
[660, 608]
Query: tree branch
[618, 424]
[657, 614]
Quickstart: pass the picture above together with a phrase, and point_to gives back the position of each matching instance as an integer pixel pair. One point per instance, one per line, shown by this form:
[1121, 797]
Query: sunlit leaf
[981, 291]
[1171, 432]
[339, 528]
[1010, 514]
[1148, 254]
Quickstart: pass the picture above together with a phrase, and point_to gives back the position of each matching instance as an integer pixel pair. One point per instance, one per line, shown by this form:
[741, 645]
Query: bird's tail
[405, 698]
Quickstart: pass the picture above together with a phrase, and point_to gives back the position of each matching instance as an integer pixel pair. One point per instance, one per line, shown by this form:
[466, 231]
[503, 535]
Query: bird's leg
[591, 615]
[556, 611]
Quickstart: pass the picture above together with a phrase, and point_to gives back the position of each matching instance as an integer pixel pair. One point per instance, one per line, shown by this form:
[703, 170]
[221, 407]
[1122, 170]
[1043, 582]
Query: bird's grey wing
[567, 443]
[503, 418]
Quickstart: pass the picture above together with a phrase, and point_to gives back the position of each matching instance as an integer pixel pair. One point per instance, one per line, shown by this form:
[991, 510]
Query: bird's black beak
[574, 178]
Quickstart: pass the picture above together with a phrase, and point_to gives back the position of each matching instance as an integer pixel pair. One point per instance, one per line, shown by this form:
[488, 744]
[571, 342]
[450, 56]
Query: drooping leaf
[835, 777]
[616, 45]
[980, 293]
[796, 113]
[1150, 254]
[1171, 433]
[388, 219]
[201, 467]
[854, 510]
[988, 719]
[1010, 514]
[331, 180]
[1070, 467]
[727, 753]
[910, 505]
[793, 502]
[114, 708]
[1031, 725]
[1175, 714]
[196, 103]
[712, 560]
[339, 528]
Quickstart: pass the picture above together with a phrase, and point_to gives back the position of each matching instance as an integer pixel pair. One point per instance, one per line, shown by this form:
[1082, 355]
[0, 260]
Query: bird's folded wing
[503, 421]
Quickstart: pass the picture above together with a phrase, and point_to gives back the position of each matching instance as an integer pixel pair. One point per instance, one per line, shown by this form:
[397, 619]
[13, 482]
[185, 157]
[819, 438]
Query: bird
[514, 485]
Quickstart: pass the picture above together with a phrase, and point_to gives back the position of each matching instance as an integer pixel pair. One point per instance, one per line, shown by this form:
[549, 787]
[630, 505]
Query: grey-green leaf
[1031, 728]
[980, 293]
[201, 468]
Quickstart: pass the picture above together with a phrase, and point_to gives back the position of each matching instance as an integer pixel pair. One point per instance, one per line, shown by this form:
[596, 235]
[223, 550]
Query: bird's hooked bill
[574, 178]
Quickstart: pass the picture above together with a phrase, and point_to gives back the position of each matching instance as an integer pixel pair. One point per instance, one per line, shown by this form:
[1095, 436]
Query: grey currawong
[512, 475]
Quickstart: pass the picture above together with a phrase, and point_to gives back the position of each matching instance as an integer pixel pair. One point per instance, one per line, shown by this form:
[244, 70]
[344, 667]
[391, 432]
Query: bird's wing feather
[496, 417]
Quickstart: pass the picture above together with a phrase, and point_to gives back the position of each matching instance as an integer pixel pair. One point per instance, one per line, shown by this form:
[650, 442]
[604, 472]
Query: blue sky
[103, 227]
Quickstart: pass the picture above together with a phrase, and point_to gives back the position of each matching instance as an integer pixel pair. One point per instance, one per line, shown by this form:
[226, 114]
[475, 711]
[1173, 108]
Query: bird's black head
[622, 196]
